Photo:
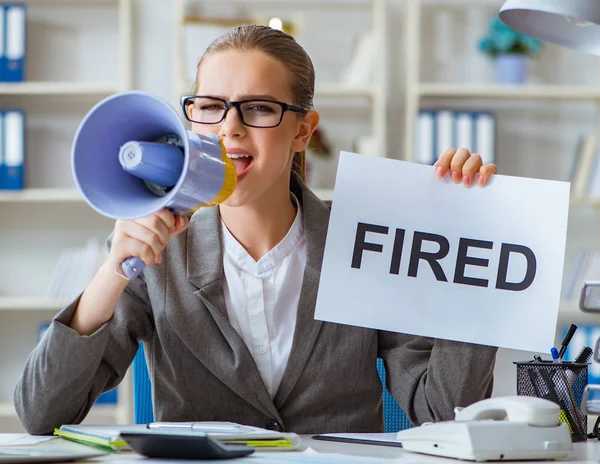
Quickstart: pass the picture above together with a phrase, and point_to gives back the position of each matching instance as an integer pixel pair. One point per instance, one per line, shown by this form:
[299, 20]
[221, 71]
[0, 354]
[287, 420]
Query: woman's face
[262, 156]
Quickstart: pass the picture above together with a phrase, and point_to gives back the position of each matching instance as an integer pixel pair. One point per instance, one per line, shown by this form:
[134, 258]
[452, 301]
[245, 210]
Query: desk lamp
[573, 24]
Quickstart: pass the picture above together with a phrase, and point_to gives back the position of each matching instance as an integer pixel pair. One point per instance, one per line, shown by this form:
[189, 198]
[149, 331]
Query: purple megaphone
[133, 156]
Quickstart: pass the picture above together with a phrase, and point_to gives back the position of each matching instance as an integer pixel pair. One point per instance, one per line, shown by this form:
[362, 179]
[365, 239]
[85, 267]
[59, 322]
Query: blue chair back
[143, 412]
[394, 417]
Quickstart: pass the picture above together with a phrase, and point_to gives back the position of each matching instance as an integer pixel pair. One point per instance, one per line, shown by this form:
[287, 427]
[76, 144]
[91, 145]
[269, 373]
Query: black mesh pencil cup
[563, 383]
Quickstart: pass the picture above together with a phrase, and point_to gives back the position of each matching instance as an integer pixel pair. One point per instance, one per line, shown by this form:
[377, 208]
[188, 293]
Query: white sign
[408, 253]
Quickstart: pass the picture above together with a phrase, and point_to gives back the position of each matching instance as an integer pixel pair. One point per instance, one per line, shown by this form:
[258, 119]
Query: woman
[225, 306]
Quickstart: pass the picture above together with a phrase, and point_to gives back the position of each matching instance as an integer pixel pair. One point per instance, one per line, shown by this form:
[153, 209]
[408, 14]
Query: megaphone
[133, 156]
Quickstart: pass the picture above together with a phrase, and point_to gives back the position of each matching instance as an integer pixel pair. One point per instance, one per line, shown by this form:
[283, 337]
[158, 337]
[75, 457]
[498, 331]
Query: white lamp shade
[547, 20]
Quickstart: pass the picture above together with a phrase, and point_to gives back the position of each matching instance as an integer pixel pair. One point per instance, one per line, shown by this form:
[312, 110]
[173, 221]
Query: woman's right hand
[145, 238]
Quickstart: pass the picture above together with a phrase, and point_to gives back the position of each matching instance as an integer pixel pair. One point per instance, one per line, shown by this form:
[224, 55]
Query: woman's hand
[462, 166]
[145, 238]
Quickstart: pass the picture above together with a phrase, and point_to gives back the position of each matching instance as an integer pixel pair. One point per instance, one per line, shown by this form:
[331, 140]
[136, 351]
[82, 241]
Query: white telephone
[504, 428]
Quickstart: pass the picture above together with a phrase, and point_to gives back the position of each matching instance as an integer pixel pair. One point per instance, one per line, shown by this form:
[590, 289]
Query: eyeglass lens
[259, 113]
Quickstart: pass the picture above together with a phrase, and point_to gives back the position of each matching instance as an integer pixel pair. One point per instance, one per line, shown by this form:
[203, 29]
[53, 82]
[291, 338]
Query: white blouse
[262, 297]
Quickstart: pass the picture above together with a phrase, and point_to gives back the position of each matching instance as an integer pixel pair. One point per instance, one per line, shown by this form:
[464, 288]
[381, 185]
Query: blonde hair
[283, 48]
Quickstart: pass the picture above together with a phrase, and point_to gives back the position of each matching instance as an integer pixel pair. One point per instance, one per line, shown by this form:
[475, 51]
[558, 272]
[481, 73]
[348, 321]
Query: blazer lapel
[233, 363]
[316, 219]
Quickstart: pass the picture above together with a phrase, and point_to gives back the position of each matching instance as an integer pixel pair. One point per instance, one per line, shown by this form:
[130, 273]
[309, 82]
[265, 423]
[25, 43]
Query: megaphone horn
[132, 156]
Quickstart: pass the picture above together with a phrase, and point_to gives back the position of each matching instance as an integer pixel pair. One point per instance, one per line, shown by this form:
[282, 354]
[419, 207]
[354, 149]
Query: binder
[485, 136]
[3, 65]
[12, 141]
[464, 131]
[445, 133]
[15, 25]
[2, 166]
[440, 129]
[425, 147]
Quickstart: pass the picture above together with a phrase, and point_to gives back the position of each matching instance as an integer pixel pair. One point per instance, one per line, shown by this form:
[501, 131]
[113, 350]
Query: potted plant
[510, 51]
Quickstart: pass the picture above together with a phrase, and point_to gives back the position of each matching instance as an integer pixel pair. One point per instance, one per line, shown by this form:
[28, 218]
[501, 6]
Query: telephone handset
[503, 428]
[531, 410]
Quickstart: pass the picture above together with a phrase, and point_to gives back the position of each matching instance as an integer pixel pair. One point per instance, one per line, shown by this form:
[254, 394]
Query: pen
[563, 386]
[566, 341]
[584, 355]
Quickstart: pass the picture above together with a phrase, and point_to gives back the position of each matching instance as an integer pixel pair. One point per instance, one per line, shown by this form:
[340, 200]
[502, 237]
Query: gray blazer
[201, 369]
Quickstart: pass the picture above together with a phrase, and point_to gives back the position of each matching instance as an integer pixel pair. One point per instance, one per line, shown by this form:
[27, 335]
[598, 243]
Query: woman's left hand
[463, 165]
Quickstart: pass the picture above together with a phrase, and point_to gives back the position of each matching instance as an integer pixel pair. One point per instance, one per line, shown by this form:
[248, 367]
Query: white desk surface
[324, 452]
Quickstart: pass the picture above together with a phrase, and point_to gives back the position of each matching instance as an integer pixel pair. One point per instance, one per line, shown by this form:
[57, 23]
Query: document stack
[438, 130]
[75, 269]
[12, 150]
[13, 27]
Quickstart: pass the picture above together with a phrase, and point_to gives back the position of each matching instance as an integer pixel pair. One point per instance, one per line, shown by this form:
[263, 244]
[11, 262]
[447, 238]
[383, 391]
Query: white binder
[425, 149]
[464, 131]
[14, 70]
[485, 136]
[14, 150]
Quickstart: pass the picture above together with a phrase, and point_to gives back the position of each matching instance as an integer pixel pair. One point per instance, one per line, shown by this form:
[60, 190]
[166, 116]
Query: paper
[408, 253]
[387, 438]
[22, 439]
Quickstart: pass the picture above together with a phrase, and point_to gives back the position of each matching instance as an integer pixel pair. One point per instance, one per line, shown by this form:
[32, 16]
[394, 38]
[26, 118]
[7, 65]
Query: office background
[378, 63]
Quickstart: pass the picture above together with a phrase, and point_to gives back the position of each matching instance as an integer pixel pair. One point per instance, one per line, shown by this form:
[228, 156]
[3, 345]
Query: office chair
[394, 418]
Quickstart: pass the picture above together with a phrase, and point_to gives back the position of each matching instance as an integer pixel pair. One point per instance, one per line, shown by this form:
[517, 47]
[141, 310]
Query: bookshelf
[530, 92]
[61, 89]
[41, 195]
[63, 81]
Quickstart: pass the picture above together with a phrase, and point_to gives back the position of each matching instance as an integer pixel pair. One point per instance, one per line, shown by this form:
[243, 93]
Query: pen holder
[562, 383]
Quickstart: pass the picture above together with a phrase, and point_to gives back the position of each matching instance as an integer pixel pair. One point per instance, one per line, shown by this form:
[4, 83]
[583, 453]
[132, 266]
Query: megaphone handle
[132, 267]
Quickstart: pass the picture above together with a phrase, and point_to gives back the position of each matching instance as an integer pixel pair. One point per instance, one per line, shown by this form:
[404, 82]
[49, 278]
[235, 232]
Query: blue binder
[12, 149]
[439, 129]
[13, 42]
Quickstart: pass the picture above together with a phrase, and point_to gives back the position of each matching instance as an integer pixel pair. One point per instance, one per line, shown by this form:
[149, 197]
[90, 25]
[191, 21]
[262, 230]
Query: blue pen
[555, 355]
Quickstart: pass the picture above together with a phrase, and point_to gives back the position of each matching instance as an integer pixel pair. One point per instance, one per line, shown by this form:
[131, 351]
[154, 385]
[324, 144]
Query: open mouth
[242, 163]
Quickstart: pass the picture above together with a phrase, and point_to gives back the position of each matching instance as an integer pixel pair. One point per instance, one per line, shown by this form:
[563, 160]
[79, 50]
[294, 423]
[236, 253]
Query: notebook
[109, 437]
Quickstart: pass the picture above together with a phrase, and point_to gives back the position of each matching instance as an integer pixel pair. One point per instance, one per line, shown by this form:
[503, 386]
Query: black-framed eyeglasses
[259, 113]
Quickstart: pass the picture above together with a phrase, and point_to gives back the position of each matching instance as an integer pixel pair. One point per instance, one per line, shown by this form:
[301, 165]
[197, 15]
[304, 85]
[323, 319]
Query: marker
[566, 341]
[584, 355]
[555, 355]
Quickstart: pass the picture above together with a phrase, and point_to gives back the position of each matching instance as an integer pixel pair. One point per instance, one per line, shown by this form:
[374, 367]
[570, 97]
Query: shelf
[78, 2]
[58, 88]
[41, 195]
[551, 92]
[570, 313]
[459, 3]
[328, 4]
[324, 194]
[7, 409]
[338, 90]
[32, 304]
[595, 202]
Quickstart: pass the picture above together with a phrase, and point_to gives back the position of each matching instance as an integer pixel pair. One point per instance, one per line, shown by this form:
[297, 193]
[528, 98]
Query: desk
[588, 452]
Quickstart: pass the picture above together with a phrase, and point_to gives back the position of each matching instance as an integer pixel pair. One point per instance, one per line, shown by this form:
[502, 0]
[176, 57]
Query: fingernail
[455, 176]
[439, 172]
[466, 181]
[481, 179]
